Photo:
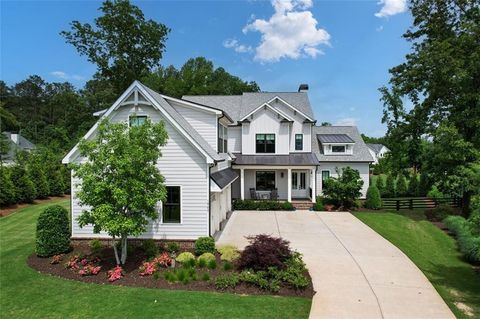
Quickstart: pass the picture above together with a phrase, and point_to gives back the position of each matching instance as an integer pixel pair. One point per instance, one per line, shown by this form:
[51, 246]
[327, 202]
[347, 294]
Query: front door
[299, 184]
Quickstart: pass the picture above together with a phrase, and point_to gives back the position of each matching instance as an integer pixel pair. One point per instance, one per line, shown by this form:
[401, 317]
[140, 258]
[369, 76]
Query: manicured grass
[434, 252]
[25, 293]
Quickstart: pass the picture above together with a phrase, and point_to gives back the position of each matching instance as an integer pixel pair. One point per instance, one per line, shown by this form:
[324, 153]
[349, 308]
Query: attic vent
[303, 87]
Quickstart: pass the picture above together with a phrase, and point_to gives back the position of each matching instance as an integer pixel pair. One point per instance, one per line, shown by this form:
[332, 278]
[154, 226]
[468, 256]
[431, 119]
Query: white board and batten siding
[182, 165]
[362, 168]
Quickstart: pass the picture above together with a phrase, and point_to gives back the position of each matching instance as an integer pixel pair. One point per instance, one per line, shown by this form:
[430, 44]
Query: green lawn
[434, 252]
[25, 293]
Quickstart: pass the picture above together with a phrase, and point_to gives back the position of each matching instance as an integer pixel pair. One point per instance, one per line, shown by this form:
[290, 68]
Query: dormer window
[339, 148]
[137, 120]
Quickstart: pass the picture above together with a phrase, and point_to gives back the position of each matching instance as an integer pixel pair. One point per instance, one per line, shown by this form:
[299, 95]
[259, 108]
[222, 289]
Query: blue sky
[342, 49]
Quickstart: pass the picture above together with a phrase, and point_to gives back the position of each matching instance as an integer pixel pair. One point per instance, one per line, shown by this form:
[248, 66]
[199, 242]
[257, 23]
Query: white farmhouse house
[377, 151]
[220, 148]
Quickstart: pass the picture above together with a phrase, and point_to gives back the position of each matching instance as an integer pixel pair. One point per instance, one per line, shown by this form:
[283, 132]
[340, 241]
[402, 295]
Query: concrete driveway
[356, 273]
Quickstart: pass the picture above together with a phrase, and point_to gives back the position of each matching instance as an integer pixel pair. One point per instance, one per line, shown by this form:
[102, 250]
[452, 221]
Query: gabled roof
[266, 105]
[170, 113]
[360, 150]
[20, 144]
[376, 148]
[238, 106]
[334, 138]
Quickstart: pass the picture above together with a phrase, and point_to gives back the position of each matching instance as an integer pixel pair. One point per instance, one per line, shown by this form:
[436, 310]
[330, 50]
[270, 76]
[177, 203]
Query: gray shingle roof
[238, 106]
[360, 150]
[21, 144]
[334, 138]
[376, 148]
[307, 159]
[224, 177]
[184, 124]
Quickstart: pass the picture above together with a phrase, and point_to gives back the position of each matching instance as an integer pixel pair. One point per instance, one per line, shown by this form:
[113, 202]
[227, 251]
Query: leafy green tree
[373, 198]
[413, 189]
[424, 185]
[37, 175]
[390, 189]
[345, 188]
[122, 198]
[402, 190]
[24, 187]
[440, 78]
[380, 184]
[7, 188]
[122, 44]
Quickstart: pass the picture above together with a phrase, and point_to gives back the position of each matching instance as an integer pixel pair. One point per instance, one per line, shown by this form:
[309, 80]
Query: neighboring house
[16, 143]
[220, 148]
[377, 151]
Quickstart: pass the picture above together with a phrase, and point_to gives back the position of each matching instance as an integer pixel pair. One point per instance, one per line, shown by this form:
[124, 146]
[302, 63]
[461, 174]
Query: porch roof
[294, 159]
[224, 177]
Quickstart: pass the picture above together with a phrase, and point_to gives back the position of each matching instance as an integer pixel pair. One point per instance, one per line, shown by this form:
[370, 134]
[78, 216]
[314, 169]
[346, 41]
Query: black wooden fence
[419, 202]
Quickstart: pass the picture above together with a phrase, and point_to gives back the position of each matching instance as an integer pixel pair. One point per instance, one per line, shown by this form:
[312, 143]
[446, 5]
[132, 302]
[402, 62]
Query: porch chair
[253, 193]
[274, 194]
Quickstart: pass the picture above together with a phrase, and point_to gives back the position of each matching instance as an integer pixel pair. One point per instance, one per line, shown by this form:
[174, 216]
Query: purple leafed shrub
[263, 252]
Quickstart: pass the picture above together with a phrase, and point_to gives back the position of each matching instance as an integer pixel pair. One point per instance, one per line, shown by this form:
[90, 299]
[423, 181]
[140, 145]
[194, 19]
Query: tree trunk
[466, 198]
[116, 251]
[124, 249]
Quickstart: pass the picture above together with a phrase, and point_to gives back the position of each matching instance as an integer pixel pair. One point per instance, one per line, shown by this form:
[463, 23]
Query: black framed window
[298, 142]
[172, 205]
[137, 120]
[265, 180]
[265, 143]
[338, 148]
[325, 176]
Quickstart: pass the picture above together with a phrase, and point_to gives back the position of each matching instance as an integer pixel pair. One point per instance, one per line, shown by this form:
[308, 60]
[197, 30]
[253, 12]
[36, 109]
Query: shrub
[373, 198]
[474, 222]
[40, 180]
[227, 266]
[170, 276]
[287, 206]
[255, 278]
[95, 246]
[390, 190]
[24, 187]
[249, 204]
[468, 244]
[56, 183]
[380, 183]
[7, 189]
[226, 281]
[204, 245]
[53, 232]
[264, 251]
[228, 253]
[402, 186]
[435, 193]
[156, 275]
[318, 206]
[413, 189]
[184, 257]
[150, 248]
[212, 264]
[207, 257]
[439, 213]
[206, 277]
[344, 189]
[190, 263]
[201, 263]
[423, 185]
[163, 260]
[172, 247]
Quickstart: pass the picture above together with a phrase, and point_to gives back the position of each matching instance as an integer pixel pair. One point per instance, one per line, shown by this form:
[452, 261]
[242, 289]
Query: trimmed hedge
[53, 232]
[468, 244]
[249, 204]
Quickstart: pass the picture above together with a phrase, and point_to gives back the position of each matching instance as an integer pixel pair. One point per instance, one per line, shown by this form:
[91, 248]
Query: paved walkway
[356, 273]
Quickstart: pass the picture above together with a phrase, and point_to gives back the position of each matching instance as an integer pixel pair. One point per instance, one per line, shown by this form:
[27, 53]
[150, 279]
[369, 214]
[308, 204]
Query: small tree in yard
[120, 182]
[390, 190]
[373, 198]
[380, 183]
[413, 189]
[345, 189]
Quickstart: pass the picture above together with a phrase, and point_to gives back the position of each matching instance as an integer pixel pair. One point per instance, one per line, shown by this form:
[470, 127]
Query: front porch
[295, 184]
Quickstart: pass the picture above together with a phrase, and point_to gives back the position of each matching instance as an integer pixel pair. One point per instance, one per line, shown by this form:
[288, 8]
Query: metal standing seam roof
[224, 177]
[297, 159]
[360, 149]
[184, 124]
[334, 138]
[238, 106]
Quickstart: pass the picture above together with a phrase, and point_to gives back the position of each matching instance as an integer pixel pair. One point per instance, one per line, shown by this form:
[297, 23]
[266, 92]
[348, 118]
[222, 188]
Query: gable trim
[245, 118]
[291, 106]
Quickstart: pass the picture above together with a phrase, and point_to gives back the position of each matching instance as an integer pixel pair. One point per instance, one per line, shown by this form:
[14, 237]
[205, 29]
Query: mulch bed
[132, 276]
[11, 209]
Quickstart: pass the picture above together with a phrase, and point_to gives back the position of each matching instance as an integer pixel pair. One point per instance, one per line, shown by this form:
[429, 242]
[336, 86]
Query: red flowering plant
[89, 270]
[72, 263]
[164, 260]
[56, 259]
[148, 268]
[115, 273]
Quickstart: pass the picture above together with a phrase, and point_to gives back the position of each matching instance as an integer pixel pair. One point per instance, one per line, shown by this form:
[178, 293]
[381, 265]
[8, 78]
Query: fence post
[398, 205]
[411, 204]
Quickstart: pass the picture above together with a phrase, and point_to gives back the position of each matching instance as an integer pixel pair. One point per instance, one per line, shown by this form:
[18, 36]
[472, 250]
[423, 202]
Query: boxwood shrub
[468, 244]
[249, 204]
[53, 232]
[204, 245]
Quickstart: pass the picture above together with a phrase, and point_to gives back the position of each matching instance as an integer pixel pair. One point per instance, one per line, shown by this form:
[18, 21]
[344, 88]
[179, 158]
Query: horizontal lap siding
[235, 139]
[181, 165]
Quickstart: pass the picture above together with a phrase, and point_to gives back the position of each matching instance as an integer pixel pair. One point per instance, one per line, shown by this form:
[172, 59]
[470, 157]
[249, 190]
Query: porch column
[314, 188]
[242, 184]
[289, 185]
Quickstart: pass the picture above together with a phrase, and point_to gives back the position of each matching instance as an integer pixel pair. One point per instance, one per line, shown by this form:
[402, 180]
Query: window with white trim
[298, 142]
[222, 139]
[339, 148]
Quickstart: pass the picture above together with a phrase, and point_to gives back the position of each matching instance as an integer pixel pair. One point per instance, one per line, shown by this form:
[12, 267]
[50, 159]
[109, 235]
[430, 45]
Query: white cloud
[233, 44]
[290, 33]
[65, 76]
[347, 121]
[391, 7]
